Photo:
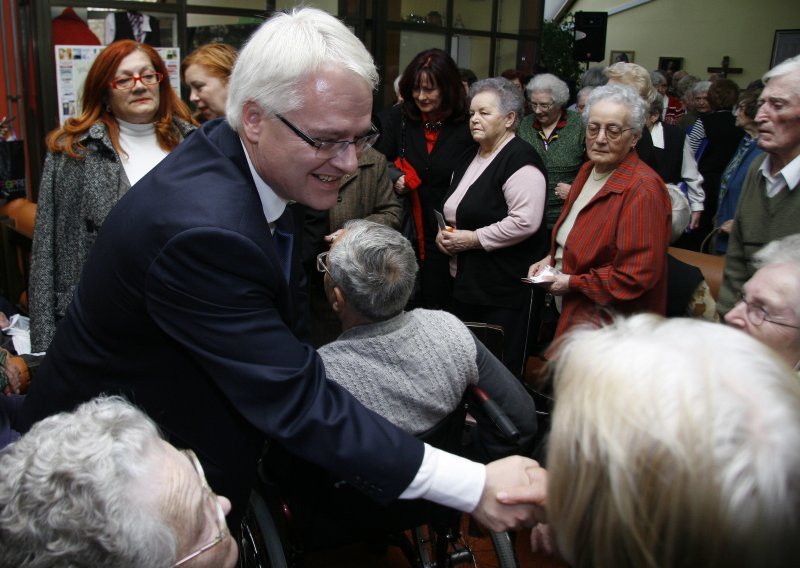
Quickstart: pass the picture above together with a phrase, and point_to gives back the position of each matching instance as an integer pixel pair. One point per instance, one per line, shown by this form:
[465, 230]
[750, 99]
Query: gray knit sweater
[412, 369]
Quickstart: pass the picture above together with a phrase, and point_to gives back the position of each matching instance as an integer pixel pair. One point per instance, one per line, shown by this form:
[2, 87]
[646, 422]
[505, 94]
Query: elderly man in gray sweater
[410, 367]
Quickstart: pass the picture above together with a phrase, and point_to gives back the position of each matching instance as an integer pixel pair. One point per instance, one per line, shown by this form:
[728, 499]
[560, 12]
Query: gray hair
[713, 443]
[657, 107]
[285, 50]
[791, 65]
[594, 77]
[375, 268]
[68, 492]
[509, 97]
[657, 78]
[701, 87]
[781, 251]
[623, 95]
[547, 83]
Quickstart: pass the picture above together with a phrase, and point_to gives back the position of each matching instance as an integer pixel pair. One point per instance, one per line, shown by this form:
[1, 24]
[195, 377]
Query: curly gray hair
[509, 97]
[547, 83]
[67, 493]
[623, 95]
[375, 268]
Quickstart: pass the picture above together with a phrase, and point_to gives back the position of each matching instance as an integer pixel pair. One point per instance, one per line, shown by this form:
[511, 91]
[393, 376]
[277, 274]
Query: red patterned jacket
[616, 253]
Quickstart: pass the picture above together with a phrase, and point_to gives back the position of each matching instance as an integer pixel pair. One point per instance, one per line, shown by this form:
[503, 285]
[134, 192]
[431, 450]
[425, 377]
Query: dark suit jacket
[184, 309]
[669, 159]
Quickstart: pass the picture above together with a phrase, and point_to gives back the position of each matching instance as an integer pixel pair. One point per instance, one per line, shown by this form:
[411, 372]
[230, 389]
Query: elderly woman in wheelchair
[414, 368]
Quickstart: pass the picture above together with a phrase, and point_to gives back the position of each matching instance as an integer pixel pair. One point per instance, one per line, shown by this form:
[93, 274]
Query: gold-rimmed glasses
[613, 132]
[222, 526]
[757, 315]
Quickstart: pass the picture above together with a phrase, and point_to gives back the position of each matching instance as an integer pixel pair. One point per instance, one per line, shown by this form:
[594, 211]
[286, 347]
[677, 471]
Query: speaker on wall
[590, 36]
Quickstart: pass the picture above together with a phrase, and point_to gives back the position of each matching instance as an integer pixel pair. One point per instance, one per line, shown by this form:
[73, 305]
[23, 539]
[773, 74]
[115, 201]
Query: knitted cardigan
[412, 369]
[562, 159]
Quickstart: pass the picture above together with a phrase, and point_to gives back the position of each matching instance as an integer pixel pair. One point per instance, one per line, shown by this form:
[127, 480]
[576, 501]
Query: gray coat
[74, 198]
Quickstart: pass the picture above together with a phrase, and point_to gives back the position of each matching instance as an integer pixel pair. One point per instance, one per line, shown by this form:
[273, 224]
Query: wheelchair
[298, 508]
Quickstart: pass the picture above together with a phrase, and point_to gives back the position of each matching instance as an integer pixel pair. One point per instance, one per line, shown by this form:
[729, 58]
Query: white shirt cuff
[448, 480]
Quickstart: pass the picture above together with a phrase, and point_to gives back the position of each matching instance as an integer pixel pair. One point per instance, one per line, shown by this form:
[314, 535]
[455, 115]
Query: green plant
[557, 43]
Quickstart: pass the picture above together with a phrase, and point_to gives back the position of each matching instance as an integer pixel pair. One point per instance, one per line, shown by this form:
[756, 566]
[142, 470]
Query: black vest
[493, 278]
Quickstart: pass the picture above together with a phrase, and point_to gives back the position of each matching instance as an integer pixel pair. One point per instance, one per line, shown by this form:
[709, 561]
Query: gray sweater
[414, 368]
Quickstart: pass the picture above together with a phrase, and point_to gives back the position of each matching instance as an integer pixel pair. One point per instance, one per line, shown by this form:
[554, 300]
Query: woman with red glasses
[130, 119]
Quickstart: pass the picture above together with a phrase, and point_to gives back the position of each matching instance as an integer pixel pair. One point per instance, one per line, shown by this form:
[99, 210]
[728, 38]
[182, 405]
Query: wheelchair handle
[498, 416]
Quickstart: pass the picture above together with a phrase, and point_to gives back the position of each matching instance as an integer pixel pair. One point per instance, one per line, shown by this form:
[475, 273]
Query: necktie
[284, 238]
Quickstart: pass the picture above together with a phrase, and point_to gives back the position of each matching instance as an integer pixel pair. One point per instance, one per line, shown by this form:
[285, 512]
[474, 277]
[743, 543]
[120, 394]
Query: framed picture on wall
[670, 64]
[785, 45]
[621, 55]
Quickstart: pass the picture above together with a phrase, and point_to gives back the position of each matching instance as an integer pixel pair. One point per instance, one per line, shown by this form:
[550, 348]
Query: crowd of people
[214, 253]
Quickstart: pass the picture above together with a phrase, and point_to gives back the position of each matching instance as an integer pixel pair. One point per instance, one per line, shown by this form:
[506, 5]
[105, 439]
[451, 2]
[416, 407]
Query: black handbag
[12, 171]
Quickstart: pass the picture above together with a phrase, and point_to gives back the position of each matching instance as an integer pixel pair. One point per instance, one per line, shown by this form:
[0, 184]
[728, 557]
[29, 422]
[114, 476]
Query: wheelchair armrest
[493, 410]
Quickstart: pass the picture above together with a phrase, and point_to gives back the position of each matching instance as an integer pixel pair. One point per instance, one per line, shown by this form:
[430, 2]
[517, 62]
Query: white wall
[699, 31]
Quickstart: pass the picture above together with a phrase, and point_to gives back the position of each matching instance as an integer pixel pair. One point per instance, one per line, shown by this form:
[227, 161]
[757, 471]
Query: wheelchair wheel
[260, 542]
[439, 547]
[490, 549]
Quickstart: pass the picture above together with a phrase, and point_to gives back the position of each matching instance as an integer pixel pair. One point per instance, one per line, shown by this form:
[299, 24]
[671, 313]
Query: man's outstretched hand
[521, 483]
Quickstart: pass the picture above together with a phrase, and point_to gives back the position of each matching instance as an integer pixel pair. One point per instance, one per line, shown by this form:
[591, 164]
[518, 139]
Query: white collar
[657, 134]
[789, 176]
[271, 202]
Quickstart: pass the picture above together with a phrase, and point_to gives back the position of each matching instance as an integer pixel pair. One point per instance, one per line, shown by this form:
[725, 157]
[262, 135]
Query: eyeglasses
[322, 263]
[757, 314]
[222, 526]
[613, 132]
[128, 83]
[328, 149]
[544, 107]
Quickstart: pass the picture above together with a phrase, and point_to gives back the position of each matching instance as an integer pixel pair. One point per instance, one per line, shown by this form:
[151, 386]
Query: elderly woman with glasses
[609, 246]
[557, 136]
[769, 306]
[131, 119]
[495, 207]
[100, 487]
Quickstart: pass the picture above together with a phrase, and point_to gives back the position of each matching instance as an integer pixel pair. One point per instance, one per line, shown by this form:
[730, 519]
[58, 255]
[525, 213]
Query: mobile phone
[440, 220]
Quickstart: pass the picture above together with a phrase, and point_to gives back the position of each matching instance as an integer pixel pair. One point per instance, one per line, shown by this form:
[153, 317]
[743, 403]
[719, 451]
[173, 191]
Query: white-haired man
[769, 306]
[769, 207]
[192, 307]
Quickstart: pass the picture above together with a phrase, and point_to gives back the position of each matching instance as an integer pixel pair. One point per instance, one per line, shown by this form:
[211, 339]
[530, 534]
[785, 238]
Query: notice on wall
[73, 63]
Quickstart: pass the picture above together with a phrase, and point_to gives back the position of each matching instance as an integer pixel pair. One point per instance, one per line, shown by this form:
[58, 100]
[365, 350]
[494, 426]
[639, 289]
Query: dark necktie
[284, 238]
[136, 20]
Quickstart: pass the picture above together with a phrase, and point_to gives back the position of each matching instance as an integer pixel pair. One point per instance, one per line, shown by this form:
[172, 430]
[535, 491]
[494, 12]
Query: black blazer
[669, 159]
[184, 309]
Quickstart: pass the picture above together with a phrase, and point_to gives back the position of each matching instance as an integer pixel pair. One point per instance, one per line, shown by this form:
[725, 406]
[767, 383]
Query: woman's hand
[537, 267]
[726, 227]
[562, 190]
[694, 220]
[557, 284]
[456, 241]
[400, 186]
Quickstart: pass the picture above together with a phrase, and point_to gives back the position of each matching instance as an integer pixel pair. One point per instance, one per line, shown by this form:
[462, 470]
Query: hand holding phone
[440, 220]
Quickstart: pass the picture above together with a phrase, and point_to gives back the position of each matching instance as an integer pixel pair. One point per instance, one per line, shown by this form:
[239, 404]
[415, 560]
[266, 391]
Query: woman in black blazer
[422, 138]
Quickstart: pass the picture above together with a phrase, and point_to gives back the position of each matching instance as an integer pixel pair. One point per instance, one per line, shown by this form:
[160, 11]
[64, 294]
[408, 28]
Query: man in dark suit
[189, 306]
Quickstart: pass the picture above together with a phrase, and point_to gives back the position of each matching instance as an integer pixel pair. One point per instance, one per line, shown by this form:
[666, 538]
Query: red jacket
[616, 253]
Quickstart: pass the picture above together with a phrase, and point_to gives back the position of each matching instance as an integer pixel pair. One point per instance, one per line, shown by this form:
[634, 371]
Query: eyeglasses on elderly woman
[757, 315]
[613, 132]
[222, 526]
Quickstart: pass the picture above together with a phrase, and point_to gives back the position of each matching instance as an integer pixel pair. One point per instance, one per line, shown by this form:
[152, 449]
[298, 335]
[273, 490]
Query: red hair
[95, 103]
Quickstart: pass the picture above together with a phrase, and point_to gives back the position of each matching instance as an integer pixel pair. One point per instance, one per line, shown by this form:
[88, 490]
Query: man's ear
[338, 300]
[252, 121]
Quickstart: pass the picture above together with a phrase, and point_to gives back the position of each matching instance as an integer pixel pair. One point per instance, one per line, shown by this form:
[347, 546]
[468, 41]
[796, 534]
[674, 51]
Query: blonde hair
[674, 443]
[634, 76]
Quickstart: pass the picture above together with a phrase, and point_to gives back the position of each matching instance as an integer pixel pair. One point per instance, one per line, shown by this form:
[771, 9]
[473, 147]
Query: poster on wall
[72, 66]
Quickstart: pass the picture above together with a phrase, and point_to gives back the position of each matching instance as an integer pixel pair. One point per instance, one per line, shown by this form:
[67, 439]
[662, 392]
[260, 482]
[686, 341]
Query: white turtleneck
[140, 144]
